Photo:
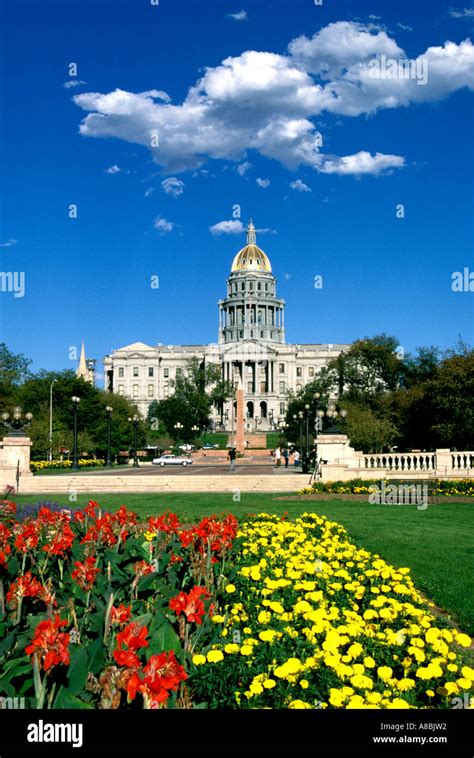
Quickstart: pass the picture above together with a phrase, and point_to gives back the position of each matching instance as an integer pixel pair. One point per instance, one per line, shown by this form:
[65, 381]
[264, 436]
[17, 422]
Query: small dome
[251, 257]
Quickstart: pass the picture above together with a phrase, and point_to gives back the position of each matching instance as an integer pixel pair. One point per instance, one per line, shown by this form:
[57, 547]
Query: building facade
[251, 349]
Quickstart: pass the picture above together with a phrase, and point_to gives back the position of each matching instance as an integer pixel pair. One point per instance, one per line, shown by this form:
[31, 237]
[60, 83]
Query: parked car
[172, 460]
[209, 446]
[186, 447]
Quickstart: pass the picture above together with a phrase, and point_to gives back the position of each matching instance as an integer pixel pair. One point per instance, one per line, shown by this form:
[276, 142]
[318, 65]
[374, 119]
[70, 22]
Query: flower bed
[312, 621]
[462, 487]
[65, 464]
[100, 610]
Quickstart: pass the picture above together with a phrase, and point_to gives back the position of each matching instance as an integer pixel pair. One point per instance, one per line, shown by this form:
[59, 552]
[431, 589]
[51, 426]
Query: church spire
[82, 368]
[251, 234]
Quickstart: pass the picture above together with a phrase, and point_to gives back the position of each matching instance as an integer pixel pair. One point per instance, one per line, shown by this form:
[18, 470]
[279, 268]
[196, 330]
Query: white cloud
[264, 183]
[240, 16]
[113, 169]
[242, 168]
[269, 102]
[8, 243]
[462, 13]
[227, 227]
[149, 191]
[361, 163]
[73, 83]
[163, 225]
[340, 45]
[173, 186]
[405, 27]
[300, 186]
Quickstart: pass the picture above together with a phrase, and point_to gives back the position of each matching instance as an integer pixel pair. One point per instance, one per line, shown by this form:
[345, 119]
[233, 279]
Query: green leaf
[144, 619]
[96, 656]
[65, 700]
[78, 670]
[165, 638]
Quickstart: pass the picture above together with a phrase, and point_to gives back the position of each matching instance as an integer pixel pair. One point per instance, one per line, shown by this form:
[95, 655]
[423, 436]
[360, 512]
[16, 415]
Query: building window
[151, 371]
[282, 388]
[282, 409]
[166, 373]
[135, 390]
[259, 286]
[120, 389]
[166, 390]
[311, 371]
[299, 371]
[249, 369]
[135, 371]
[242, 286]
[281, 368]
[263, 387]
[150, 390]
[262, 334]
[250, 387]
[121, 372]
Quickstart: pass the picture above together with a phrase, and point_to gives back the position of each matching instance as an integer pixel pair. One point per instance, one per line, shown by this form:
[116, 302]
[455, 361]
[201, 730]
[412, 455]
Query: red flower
[127, 658]
[61, 541]
[133, 636]
[190, 604]
[25, 586]
[142, 568]
[50, 644]
[167, 522]
[28, 538]
[85, 573]
[4, 556]
[89, 510]
[121, 614]
[163, 674]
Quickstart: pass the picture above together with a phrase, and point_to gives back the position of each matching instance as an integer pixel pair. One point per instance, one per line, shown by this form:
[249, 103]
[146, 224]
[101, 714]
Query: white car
[172, 460]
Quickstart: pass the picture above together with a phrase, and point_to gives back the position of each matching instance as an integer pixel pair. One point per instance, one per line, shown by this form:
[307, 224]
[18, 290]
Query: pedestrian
[232, 455]
[296, 458]
[278, 456]
[286, 456]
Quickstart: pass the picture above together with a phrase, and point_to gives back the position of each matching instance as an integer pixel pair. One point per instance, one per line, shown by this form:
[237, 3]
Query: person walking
[232, 455]
[286, 456]
[278, 457]
[296, 458]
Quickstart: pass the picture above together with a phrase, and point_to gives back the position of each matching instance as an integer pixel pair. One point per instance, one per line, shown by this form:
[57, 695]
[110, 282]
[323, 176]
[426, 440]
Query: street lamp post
[75, 406]
[18, 423]
[51, 419]
[108, 411]
[307, 408]
[135, 421]
[178, 426]
[195, 429]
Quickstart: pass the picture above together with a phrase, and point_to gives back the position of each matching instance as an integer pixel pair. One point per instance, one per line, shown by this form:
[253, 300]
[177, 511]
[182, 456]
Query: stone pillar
[14, 456]
[444, 461]
[240, 421]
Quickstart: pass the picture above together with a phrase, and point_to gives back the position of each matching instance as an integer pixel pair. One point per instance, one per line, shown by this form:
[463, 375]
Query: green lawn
[437, 544]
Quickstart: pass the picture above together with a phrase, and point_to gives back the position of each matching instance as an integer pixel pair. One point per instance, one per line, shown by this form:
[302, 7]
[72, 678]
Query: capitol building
[250, 350]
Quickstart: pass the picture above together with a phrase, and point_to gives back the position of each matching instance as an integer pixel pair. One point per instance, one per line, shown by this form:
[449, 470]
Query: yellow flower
[198, 660]
[149, 535]
[230, 588]
[214, 656]
[462, 639]
[269, 684]
[231, 648]
[299, 704]
[267, 636]
[246, 650]
[304, 684]
[468, 673]
[384, 672]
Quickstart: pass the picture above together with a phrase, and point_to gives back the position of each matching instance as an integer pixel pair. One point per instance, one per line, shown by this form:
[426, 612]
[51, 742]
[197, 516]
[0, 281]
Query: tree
[368, 369]
[366, 431]
[196, 389]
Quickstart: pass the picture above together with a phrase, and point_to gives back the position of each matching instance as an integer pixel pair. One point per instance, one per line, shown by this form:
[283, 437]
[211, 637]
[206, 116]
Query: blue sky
[237, 92]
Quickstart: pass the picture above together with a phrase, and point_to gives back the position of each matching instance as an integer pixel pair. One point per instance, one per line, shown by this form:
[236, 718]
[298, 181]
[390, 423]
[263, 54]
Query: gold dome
[251, 257]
